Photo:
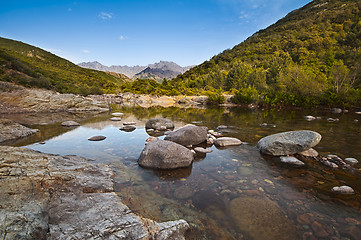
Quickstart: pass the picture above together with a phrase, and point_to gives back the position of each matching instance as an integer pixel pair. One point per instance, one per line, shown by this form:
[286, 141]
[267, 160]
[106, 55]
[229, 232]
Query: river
[231, 193]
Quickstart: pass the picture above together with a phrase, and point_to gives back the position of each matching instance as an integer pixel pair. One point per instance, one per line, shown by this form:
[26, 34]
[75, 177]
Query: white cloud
[86, 51]
[105, 15]
[122, 37]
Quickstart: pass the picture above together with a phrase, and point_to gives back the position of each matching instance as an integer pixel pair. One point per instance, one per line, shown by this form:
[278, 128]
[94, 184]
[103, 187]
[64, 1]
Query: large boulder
[189, 135]
[159, 124]
[10, 130]
[287, 143]
[162, 154]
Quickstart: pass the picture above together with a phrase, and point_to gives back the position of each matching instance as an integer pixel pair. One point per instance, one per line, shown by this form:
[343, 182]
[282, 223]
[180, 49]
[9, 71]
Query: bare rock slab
[159, 124]
[47, 196]
[70, 124]
[227, 141]
[188, 135]
[162, 154]
[288, 143]
[10, 130]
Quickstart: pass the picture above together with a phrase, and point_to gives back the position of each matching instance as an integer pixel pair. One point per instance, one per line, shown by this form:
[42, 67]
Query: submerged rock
[189, 135]
[10, 130]
[97, 138]
[292, 161]
[53, 197]
[288, 143]
[70, 124]
[261, 219]
[227, 141]
[344, 190]
[159, 124]
[162, 154]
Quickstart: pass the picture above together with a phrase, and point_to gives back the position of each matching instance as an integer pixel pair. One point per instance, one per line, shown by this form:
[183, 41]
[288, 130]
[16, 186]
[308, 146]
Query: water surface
[224, 194]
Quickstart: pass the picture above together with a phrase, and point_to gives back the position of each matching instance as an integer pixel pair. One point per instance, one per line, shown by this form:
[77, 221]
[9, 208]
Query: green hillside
[312, 56]
[30, 66]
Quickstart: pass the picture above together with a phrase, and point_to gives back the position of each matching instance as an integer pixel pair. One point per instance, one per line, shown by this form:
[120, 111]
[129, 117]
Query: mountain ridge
[156, 71]
[30, 66]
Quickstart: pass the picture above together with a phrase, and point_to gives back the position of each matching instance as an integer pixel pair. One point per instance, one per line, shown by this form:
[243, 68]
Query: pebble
[115, 119]
[292, 161]
[359, 113]
[310, 118]
[222, 127]
[97, 138]
[351, 161]
[344, 190]
[304, 219]
[356, 120]
[333, 119]
[117, 114]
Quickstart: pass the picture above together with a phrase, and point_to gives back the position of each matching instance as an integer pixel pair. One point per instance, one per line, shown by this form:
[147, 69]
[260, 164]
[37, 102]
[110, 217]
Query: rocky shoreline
[64, 197]
[25, 100]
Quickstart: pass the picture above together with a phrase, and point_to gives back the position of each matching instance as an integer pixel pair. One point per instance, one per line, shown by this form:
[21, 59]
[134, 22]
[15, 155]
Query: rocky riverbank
[146, 101]
[53, 197]
[16, 99]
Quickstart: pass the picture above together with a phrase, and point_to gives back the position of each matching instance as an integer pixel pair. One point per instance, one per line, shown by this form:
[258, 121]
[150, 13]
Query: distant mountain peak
[158, 70]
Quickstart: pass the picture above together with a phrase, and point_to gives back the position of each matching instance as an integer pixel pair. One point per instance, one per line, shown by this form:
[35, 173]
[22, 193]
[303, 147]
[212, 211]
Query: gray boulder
[163, 154]
[288, 143]
[159, 124]
[189, 135]
[70, 124]
[227, 141]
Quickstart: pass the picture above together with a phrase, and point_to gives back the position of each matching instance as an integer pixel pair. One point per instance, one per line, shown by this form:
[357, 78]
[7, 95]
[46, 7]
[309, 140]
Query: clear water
[207, 193]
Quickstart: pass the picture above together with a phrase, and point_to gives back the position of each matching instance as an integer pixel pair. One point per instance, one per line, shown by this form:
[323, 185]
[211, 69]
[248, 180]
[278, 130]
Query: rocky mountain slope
[310, 56]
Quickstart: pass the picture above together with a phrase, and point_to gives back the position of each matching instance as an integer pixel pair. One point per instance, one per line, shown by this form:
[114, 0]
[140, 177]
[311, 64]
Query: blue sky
[138, 32]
